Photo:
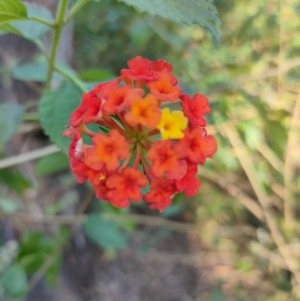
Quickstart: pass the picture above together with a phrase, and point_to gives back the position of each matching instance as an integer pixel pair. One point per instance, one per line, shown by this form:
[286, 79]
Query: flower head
[123, 139]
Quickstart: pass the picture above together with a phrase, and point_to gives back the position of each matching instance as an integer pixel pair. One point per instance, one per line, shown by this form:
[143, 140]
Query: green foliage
[14, 179]
[11, 115]
[14, 281]
[55, 110]
[51, 164]
[8, 205]
[37, 247]
[104, 233]
[30, 29]
[36, 71]
[96, 75]
[201, 12]
[12, 10]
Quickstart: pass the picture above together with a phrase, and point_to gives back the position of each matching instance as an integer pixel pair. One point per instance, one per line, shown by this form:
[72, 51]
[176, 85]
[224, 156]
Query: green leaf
[10, 118]
[104, 233]
[51, 164]
[6, 27]
[8, 206]
[31, 72]
[12, 10]
[55, 109]
[14, 281]
[201, 12]
[96, 75]
[14, 179]
[30, 29]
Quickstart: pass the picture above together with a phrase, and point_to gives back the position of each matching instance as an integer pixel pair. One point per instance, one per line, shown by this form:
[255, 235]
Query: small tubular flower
[198, 146]
[189, 183]
[143, 69]
[115, 99]
[194, 109]
[165, 160]
[143, 111]
[165, 87]
[125, 186]
[172, 124]
[123, 140]
[107, 151]
[160, 194]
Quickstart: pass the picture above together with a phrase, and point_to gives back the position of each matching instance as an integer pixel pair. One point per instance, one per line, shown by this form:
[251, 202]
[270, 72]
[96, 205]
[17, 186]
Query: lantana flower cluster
[140, 142]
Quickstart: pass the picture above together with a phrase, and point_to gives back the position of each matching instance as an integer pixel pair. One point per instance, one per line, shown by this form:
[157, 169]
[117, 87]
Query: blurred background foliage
[252, 81]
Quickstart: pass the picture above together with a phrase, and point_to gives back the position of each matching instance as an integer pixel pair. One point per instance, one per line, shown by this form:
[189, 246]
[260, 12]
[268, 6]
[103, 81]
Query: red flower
[125, 186]
[107, 151]
[164, 87]
[197, 145]
[165, 160]
[189, 183]
[88, 111]
[194, 109]
[143, 69]
[160, 194]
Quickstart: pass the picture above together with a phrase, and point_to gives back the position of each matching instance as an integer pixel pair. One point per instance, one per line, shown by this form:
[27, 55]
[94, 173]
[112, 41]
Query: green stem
[74, 10]
[42, 21]
[58, 26]
[71, 77]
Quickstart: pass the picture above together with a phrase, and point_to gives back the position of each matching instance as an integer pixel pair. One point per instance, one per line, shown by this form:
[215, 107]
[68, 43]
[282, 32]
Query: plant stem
[71, 77]
[58, 26]
[74, 10]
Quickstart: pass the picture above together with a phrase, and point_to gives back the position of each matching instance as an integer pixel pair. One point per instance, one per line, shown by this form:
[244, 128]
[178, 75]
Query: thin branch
[28, 156]
[234, 191]
[80, 218]
[289, 162]
[271, 157]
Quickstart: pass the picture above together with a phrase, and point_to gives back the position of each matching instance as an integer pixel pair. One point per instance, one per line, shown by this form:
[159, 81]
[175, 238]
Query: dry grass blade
[28, 156]
[289, 162]
[248, 166]
[234, 191]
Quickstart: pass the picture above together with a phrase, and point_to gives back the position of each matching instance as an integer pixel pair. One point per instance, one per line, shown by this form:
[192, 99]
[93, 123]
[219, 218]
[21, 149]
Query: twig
[234, 191]
[272, 72]
[80, 218]
[28, 156]
[271, 157]
[289, 168]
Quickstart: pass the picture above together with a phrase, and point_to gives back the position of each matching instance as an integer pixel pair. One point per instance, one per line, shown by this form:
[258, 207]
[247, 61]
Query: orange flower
[126, 186]
[165, 160]
[107, 151]
[164, 88]
[143, 111]
[115, 99]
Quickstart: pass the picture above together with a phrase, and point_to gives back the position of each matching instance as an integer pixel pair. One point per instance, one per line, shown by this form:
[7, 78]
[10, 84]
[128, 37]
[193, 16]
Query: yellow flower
[172, 124]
